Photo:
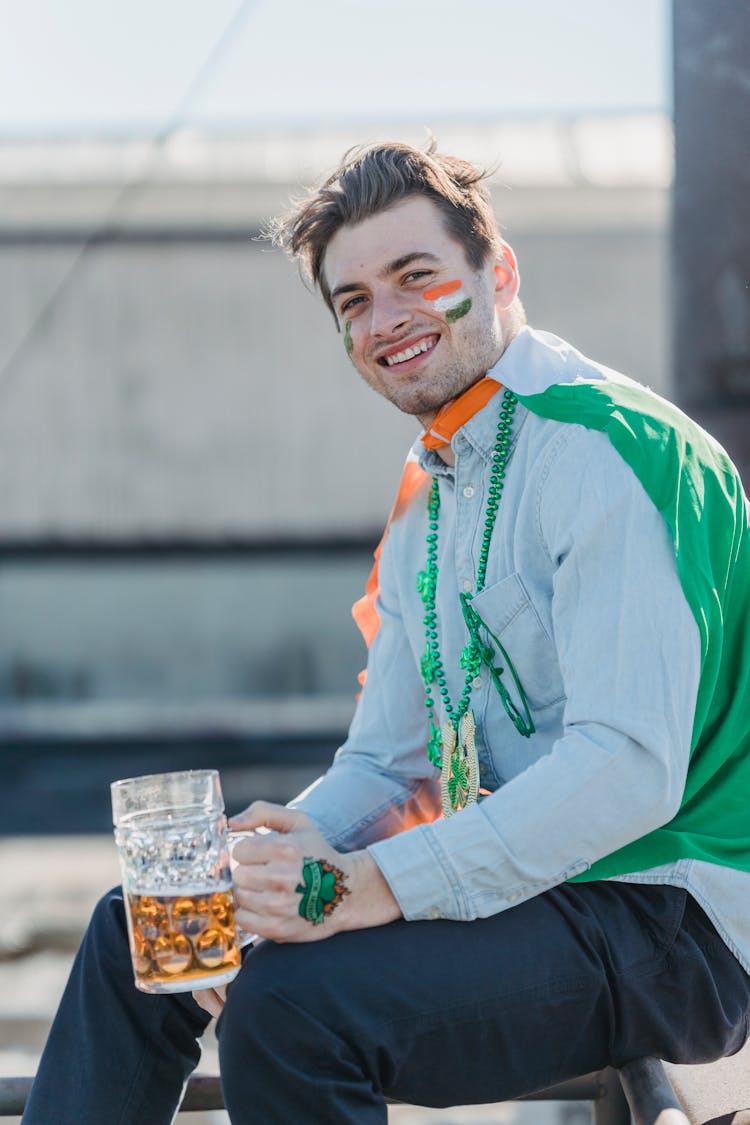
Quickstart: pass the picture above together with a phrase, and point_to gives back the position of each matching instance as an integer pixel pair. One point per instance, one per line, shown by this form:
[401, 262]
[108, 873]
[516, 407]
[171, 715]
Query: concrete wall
[192, 630]
[193, 387]
[185, 386]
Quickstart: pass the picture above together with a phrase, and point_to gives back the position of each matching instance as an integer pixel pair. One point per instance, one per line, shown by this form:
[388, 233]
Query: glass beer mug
[171, 836]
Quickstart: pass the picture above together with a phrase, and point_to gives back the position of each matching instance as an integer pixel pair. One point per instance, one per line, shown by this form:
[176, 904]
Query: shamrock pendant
[459, 778]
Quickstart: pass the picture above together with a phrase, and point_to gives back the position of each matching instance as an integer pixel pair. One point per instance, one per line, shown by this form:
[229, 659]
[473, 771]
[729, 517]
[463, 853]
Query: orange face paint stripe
[441, 290]
[457, 413]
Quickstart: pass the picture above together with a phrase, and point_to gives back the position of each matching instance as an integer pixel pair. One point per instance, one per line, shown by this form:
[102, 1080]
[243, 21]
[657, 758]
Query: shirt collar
[480, 432]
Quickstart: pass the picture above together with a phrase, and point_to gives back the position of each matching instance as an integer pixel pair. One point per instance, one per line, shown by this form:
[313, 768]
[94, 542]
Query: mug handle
[243, 937]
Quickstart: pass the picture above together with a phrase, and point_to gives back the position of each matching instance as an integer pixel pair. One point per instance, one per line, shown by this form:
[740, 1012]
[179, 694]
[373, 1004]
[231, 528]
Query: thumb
[263, 814]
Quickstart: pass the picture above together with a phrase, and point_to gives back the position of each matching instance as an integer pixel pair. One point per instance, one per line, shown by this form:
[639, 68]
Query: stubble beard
[424, 399]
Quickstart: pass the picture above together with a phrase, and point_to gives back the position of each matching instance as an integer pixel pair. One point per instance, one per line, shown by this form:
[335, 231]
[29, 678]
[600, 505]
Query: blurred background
[193, 478]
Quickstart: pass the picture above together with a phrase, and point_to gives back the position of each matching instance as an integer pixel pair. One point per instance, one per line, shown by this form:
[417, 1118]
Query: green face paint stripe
[322, 889]
[459, 311]
[348, 342]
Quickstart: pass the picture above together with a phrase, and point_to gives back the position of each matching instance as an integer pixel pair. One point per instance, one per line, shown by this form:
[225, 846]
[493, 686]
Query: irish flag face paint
[449, 298]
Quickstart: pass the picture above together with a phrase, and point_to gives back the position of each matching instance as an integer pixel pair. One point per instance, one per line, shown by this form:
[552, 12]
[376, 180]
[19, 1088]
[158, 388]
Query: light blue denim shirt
[582, 591]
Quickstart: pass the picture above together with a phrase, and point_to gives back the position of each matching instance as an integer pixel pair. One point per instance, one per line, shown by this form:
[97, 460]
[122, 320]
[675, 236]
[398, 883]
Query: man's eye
[348, 305]
[418, 275]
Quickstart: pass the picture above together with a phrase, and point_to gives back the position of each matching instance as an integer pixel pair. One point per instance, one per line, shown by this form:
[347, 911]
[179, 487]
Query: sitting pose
[530, 857]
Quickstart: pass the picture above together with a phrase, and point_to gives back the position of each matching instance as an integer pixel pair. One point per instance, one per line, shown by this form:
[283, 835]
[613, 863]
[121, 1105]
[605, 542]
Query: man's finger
[259, 850]
[264, 877]
[264, 814]
[212, 1000]
[266, 925]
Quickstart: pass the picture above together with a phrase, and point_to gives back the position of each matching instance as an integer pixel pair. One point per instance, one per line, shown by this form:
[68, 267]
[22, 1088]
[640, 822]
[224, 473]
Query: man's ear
[507, 277]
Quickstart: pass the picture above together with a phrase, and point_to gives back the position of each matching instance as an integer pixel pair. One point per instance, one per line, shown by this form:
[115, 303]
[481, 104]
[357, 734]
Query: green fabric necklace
[451, 748]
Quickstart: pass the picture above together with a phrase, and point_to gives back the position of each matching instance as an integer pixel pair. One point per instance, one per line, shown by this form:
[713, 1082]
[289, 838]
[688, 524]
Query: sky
[114, 67]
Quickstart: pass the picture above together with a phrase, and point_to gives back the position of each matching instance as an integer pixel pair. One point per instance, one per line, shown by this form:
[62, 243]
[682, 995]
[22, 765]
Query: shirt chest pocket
[506, 610]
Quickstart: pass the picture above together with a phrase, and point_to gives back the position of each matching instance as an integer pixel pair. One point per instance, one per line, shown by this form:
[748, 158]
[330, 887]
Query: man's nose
[389, 314]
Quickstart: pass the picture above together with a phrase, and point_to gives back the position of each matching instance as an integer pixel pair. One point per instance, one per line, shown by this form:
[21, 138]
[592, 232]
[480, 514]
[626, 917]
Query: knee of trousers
[286, 998]
[108, 916]
[107, 931]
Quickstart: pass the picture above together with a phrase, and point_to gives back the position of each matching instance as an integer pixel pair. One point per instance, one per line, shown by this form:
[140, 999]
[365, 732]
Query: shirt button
[469, 491]
[434, 913]
[467, 585]
[477, 682]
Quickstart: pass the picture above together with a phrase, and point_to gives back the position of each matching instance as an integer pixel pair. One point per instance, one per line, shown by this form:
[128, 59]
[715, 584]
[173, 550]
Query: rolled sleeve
[380, 783]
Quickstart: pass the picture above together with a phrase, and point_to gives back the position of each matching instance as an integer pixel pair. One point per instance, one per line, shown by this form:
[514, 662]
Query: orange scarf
[457, 413]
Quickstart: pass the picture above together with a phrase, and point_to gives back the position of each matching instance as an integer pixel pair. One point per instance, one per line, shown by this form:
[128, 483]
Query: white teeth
[409, 353]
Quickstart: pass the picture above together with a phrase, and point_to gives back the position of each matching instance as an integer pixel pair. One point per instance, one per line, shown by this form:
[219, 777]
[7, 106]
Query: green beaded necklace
[451, 748]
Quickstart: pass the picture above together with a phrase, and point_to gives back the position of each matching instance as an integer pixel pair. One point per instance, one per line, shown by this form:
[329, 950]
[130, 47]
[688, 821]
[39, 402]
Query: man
[530, 858]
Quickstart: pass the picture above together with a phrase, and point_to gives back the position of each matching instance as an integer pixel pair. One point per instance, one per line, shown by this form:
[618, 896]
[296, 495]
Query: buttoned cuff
[421, 884]
[458, 868]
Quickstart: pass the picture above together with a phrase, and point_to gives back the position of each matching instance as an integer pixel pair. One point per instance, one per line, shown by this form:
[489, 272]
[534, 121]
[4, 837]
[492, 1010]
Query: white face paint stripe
[450, 301]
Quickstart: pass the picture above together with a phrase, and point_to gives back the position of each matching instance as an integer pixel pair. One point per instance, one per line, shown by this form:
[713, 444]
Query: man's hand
[212, 1000]
[291, 885]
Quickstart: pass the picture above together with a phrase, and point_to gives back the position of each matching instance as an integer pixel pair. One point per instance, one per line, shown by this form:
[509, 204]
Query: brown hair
[372, 178]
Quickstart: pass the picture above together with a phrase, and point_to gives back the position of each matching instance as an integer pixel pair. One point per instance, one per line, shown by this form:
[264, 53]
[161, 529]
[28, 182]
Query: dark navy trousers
[436, 1013]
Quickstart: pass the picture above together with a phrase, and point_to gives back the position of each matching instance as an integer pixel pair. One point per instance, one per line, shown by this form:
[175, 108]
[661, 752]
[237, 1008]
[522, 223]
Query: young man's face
[419, 324]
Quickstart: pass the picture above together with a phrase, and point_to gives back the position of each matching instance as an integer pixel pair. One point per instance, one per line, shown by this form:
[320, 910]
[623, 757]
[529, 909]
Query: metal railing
[640, 1088]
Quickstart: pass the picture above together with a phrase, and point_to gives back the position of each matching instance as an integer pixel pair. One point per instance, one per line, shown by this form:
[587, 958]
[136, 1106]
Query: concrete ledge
[313, 716]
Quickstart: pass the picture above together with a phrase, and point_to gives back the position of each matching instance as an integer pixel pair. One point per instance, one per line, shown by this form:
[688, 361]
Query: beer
[181, 941]
[171, 836]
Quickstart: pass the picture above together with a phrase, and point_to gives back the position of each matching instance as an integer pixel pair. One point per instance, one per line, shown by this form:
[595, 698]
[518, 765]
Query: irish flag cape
[695, 486]
[692, 482]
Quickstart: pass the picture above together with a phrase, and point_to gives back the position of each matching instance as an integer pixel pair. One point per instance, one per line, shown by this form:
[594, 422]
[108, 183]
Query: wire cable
[176, 120]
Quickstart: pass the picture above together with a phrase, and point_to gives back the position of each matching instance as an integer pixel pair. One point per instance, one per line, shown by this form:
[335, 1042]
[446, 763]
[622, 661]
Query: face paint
[459, 311]
[348, 342]
[442, 291]
[449, 298]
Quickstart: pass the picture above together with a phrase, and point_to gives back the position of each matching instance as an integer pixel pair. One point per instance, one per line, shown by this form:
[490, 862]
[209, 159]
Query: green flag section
[695, 486]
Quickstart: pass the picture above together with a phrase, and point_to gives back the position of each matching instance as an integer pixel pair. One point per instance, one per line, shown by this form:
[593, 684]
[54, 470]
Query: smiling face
[420, 325]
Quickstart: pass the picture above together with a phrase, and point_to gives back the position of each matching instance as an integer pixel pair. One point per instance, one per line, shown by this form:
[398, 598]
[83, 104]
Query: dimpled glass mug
[172, 842]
